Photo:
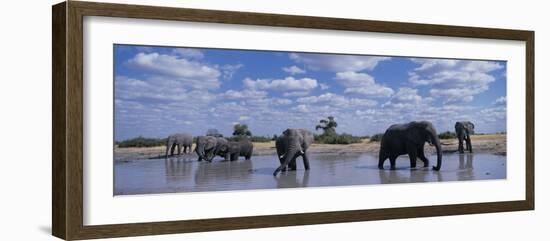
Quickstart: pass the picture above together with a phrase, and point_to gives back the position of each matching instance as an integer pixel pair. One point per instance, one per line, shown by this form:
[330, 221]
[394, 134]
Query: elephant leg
[184, 149]
[423, 157]
[281, 161]
[283, 166]
[228, 156]
[200, 158]
[210, 156]
[172, 149]
[460, 144]
[469, 143]
[292, 165]
[179, 149]
[167, 149]
[381, 159]
[392, 162]
[306, 161]
[248, 156]
[412, 156]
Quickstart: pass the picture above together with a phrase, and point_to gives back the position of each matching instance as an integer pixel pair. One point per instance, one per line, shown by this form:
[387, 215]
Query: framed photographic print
[162, 114]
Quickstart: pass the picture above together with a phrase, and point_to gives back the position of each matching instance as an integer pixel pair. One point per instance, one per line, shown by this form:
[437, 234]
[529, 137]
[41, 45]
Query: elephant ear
[470, 127]
[286, 132]
[210, 143]
[417, 134]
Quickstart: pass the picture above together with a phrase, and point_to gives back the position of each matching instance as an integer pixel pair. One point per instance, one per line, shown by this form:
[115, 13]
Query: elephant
[222, 147]
[239, 148]
[206, 147]
[290, 145]
[179, 141]
[463, 131]
[409, 138]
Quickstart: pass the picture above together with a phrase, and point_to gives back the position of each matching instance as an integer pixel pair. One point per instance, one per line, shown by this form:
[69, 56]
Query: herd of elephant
[399, 139]
[207, 147]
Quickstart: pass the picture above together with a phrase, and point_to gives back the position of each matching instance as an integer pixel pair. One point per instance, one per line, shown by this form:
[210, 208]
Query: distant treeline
[328, 126]
[141, 142]
[151, 142]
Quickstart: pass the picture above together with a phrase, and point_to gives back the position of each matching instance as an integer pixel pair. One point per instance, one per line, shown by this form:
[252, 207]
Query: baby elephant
[239, 148]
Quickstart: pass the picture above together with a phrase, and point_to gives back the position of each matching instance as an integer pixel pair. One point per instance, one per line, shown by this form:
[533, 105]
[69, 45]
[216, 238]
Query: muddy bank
[493, 144]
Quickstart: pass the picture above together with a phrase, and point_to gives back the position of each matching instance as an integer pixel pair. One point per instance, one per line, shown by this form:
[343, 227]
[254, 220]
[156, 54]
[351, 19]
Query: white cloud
[453, 95]
[406, 98]
[229, 70]
[324, 86]
[336, 100]
[247, 94]
[267, 103]
[190, 73]
[454, 80]
[296, 94]
[300, 108]
[281, 101]
[362, 83]
[188, 53]
[337, 63]
[244, 118]
[493, 114]
[500, 101]
[157, 89]
[293, 70]
[286, 84]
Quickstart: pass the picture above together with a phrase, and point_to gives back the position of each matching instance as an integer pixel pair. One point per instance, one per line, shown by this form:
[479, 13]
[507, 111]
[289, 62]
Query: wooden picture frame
[67, 124]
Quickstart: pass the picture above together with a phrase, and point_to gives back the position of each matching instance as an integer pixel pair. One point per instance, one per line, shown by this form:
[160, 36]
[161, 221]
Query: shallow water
[185, 174]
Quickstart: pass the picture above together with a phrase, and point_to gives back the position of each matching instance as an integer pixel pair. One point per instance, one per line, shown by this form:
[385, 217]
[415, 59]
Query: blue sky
[164, 90]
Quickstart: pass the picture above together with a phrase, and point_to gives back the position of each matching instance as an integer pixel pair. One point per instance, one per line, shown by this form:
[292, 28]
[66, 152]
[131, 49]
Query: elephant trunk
[200, 150]
[287, 158]
[168, 147]
[437, 144]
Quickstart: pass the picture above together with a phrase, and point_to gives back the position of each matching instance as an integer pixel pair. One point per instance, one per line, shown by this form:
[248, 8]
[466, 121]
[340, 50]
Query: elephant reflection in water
[178, 169]
[291, 179]
[219, 173]
[465, 169]
[409, 176]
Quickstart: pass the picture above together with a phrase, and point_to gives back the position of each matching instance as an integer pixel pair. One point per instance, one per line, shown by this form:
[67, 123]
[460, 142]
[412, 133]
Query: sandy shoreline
[494, 144]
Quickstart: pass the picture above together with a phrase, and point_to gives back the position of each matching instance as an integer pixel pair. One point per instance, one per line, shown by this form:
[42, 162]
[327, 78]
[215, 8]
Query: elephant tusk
[302, 152]
[282, 156]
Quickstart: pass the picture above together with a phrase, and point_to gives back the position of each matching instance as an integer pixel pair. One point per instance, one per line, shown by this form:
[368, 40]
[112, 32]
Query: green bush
[447, 135]
[142, 142]
[337, 139]
[376, 137]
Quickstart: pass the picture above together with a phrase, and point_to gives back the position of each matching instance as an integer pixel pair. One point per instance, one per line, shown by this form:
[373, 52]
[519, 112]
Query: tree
[214, 133]
[241, 130]
[328, 126]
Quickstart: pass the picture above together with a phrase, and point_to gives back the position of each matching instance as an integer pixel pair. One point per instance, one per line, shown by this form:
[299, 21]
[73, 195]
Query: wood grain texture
[59, 192]
[67, 78]
[75, 108]
[530, 120]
